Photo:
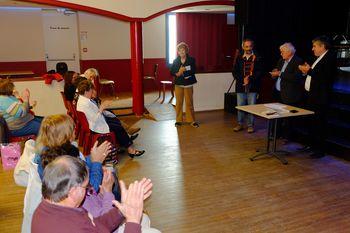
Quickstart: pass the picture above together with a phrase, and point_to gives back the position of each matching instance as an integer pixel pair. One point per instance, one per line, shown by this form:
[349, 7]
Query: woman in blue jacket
[184, 69]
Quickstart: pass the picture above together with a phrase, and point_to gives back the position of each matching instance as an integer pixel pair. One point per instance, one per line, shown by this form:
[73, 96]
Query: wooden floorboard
[204, 182]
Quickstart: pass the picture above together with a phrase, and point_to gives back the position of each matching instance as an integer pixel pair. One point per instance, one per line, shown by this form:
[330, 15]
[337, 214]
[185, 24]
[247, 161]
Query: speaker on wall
[242, 12]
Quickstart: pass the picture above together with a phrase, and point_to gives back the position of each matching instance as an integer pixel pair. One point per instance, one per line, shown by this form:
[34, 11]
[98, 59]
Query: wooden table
[273, 112]
[16, 73]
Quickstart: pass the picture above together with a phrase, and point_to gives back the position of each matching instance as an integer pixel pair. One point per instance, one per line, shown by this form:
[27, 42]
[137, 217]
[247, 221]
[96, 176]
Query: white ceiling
[195, 9]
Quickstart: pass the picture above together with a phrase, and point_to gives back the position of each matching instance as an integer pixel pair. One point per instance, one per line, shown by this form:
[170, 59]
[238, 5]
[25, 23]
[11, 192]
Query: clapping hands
[304, 68]
[131, 205]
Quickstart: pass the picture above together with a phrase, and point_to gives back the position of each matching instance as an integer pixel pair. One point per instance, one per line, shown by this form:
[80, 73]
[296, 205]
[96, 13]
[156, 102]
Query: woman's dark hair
[68, 78]
[50, 154]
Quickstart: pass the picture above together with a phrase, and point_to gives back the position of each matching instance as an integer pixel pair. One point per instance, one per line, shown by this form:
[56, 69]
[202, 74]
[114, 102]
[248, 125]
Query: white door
[61, 39]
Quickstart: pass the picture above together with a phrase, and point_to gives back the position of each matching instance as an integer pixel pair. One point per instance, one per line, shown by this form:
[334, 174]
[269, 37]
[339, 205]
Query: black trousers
[120, 133]
[317, 128]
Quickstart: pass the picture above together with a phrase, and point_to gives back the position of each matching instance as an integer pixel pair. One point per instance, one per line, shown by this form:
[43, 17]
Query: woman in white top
[100, 123]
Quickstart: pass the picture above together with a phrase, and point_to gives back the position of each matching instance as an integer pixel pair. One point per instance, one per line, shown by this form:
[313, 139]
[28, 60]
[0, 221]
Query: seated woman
[16, 112]
[69, 85]
[55, 139]
[100, 123]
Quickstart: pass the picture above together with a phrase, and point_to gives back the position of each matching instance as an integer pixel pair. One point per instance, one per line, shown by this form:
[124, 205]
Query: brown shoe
[250, 129]
[238, 128]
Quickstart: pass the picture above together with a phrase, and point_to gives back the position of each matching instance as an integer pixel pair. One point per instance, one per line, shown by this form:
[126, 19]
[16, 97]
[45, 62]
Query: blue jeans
[32, 127]
[246, 99]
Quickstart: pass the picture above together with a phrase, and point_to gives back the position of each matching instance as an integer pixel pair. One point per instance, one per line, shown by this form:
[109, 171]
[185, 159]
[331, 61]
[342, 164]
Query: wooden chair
[89, 137]
[100, 83]
[160, 84]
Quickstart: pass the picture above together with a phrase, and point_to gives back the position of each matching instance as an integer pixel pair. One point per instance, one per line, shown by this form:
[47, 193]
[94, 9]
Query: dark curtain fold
[211, 41]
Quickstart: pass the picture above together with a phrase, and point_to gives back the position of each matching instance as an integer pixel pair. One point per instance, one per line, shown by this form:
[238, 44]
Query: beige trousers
[180, 93]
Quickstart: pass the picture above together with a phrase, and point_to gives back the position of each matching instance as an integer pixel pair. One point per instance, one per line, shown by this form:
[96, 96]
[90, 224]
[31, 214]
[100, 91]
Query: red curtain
[211, 41]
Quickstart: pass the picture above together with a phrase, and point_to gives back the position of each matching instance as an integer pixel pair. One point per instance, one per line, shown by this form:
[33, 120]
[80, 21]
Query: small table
[272, 112]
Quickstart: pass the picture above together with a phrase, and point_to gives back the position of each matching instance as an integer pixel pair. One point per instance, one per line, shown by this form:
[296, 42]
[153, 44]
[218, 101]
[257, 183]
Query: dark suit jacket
[291, 81]
[322, 78]
[254, 80]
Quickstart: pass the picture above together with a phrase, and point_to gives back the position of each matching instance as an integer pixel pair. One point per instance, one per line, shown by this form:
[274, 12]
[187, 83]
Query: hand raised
[26, 95]
[131, 205]
[99, 153]
[107, 181]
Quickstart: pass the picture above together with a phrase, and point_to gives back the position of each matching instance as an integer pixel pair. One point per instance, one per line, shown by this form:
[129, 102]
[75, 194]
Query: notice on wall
[83, 35]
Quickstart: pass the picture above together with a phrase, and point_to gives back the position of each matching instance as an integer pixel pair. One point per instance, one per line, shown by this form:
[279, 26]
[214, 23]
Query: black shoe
[317, 155]
[138, 153]
[133, 137]
[195, 124]
[304, 149]
[177, 124]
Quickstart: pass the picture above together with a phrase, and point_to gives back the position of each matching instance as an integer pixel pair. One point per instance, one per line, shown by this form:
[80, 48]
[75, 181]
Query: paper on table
[279, 108]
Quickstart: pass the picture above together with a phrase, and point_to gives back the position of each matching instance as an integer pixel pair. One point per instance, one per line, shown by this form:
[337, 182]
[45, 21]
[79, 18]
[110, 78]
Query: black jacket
[188, 77]
[291, 81]
[322, 79]
[254, 80]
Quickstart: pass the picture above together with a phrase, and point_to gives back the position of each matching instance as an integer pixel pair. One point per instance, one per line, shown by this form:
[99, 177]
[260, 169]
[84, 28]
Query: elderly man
[318, 86]
[288, 86]
[64, 188]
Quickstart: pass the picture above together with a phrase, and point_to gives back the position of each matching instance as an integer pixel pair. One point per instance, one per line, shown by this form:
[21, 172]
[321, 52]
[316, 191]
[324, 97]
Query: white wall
[154, 38]
[103, 37]
[21, 36]
[209, 91]
[48, 96]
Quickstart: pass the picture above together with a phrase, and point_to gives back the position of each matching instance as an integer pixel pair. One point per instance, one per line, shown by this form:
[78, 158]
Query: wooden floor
[204, 182]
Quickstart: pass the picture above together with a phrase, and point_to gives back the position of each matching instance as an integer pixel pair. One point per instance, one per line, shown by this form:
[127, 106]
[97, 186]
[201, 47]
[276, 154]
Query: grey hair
[62, 174]
[288, 46]
[89, 73]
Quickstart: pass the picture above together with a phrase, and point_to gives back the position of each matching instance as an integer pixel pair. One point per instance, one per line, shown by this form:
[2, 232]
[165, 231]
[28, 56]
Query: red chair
[71, 111]
[89, 137]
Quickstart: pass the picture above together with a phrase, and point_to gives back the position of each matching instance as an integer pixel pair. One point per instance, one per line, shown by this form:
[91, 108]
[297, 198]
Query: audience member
[101, 121]
[69, 85]
[64, 188]
[16, 112]
[55, 139]
[184, 69]
[247, 72]
[318, 86]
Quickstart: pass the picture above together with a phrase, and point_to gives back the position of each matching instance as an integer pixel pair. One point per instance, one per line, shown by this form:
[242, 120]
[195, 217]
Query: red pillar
[136, 67]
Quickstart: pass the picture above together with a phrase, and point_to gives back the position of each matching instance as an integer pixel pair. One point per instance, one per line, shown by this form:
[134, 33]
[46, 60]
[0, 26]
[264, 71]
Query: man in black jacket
[288, 86]
[247, 72]
[318, 85]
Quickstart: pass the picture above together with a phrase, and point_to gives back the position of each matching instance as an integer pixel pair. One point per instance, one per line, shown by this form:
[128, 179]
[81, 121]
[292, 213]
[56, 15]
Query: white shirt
[97, 122]
[308, 78]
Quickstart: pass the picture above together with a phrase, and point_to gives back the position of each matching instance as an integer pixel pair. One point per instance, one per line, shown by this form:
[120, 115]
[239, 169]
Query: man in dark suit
[288, 86]
[318, 86]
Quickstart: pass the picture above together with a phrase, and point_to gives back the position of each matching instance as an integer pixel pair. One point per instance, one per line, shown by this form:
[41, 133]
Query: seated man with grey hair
[64, 187]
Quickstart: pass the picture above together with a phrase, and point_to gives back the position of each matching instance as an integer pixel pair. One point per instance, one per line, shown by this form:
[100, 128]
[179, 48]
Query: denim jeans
[246, 99]
[32, 127]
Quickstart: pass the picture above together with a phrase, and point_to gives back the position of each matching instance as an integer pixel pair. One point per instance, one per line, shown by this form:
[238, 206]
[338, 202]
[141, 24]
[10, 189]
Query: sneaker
[250, 129]
[239, 127]
[195, 124]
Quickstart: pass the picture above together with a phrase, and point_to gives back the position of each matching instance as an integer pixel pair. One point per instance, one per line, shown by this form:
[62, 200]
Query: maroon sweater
[58, 219]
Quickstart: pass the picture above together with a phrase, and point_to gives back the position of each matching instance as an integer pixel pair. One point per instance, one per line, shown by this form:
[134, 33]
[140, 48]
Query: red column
[136, 67]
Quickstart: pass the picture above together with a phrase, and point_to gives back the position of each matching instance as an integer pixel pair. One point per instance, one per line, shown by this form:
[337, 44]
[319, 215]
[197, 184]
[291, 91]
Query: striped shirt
[15, 112]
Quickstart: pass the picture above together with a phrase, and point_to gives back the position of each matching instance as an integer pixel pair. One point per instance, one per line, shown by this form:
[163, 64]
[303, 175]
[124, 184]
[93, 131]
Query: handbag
[10, 154]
